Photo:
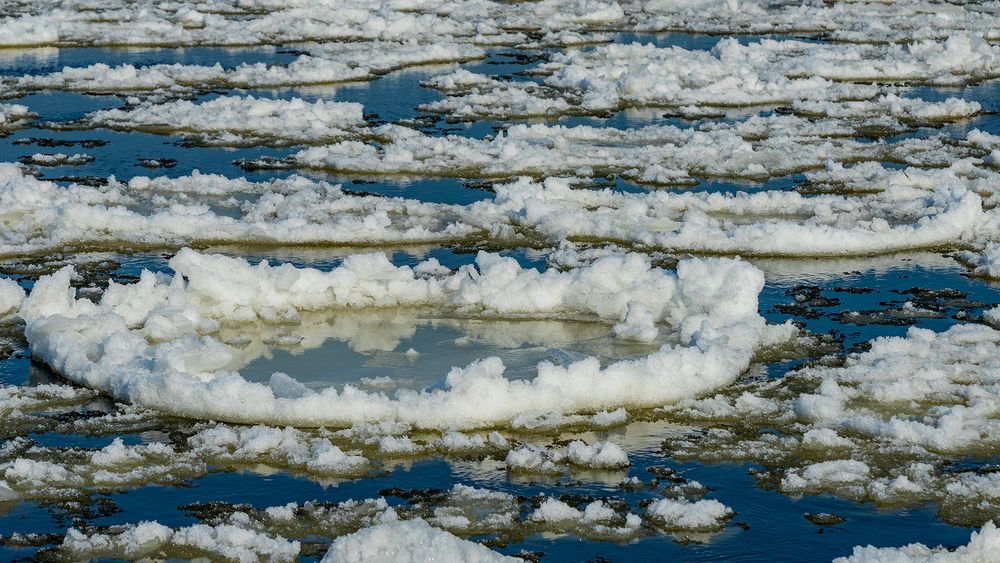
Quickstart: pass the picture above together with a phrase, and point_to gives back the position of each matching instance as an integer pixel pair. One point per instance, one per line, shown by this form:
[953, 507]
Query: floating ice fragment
[11, 296]
[223, 119]
[983, 547]
[408, 541]
[146, 539]
[694, 516]
[13, 116]
[599, 455]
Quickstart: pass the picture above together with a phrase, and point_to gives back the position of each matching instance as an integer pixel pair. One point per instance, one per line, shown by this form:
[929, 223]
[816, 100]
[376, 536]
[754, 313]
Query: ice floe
[883, 425]
[14, 116]
[151, 538]
[987, 262]
[757, 148]
[532, 459]
[699, 515]
[371, 529]
[874, 22]
[763, 223]
[983, 546]
[29, 471]
[57, 159]
[551, 22]
[241, 24]
[230, 120]
[880, 427]
[408, 540]
[322, 64]
[808, 76]
[11, 296]
[160, 317]
[40, 215]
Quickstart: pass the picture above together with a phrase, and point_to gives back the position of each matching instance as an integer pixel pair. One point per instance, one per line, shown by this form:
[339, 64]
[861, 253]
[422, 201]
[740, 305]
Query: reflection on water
[44, 60]
[21, 61]
[787, 271]
[386, 350]
[689, 41]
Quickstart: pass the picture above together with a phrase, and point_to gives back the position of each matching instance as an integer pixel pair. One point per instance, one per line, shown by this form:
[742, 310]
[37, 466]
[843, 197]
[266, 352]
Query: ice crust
[141, 342]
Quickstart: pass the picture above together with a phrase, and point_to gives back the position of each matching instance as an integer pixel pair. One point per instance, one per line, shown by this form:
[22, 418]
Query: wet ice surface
[784, 471]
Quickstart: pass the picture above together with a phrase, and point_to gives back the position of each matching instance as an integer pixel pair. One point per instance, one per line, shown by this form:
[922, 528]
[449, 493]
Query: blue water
[774, 526]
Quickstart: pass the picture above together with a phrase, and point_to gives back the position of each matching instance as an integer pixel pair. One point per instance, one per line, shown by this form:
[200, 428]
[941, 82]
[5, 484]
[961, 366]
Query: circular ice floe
[150, 342]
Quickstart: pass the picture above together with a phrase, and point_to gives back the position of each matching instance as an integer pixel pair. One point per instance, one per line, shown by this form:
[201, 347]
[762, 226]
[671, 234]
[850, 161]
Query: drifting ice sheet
[138, 344]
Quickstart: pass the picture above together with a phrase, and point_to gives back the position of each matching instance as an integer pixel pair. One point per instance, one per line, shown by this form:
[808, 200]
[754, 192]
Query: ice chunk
[407, 541]
[984, 546]
[683, 515]
[14, 116]
[145, 539]
[11, 296]
[600, 455]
